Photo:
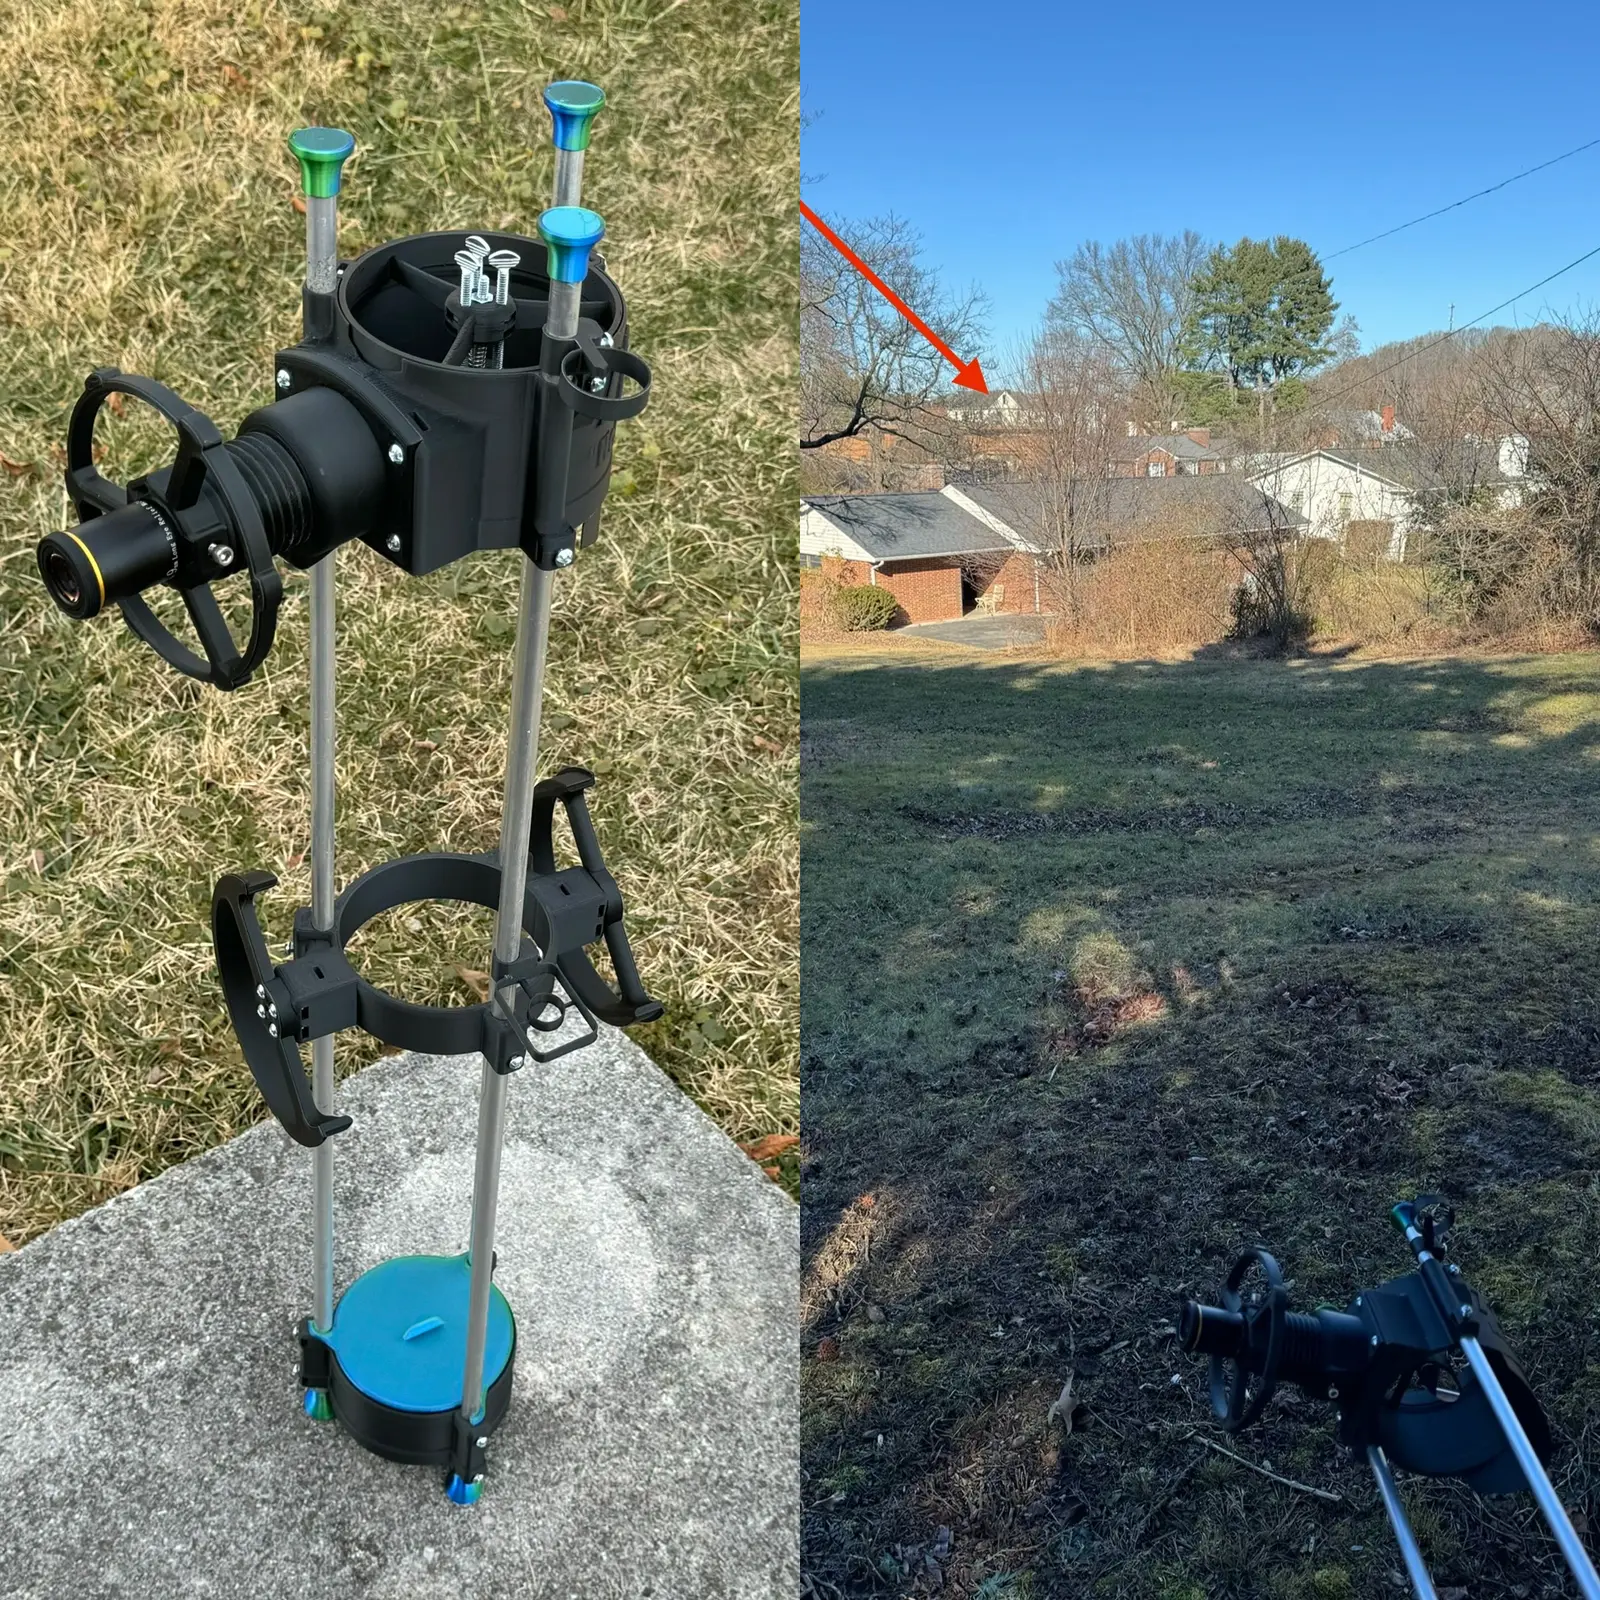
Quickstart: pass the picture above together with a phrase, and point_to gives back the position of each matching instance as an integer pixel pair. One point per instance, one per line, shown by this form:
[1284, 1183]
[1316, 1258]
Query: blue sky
[1009, 134]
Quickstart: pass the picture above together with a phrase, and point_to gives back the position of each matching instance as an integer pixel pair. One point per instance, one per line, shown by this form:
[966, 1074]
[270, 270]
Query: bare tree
[1132, 300]
[1072, 400]
[862, 365]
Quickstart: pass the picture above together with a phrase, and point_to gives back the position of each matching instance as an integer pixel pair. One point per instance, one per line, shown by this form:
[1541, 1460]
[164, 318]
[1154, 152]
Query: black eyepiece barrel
[1211, 1331]
[106, 559]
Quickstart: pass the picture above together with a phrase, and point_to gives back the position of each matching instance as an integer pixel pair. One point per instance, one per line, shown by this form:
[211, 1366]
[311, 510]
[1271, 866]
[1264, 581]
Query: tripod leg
[527, 691]
[322, 801]
[1555, 1514]
[1410, 1551]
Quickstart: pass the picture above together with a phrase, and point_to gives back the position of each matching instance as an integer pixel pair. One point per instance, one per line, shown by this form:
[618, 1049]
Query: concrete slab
[985, 633]
[153, 1444]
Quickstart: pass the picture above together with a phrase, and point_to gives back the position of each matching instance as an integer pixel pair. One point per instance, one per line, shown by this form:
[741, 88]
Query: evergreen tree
[1262, 313]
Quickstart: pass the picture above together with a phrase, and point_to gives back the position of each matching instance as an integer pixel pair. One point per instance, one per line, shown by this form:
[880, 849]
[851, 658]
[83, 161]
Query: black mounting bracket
[277, 1007]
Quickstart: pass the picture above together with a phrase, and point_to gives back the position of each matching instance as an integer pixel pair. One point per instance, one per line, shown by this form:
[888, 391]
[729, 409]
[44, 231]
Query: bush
[860, 608]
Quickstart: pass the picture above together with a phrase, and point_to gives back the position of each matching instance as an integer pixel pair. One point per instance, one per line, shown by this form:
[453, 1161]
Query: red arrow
[969, 375]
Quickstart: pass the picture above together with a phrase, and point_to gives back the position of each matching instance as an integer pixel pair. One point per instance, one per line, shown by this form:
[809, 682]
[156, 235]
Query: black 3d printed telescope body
[378, 434]
[1419, 1371]
[429, 420]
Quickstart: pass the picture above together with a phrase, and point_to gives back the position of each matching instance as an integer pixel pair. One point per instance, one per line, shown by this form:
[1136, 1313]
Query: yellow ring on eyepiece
[95, 565]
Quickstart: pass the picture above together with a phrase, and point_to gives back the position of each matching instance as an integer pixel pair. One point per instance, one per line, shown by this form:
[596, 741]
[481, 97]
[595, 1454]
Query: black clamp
[275, 1008]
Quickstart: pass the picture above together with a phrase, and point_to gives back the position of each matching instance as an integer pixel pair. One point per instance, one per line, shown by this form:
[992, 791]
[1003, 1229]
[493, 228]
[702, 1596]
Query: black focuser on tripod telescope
[429, 413]
[1417, 1367]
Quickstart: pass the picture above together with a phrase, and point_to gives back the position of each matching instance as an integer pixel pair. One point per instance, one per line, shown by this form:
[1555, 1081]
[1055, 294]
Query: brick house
[921, 547]
[1167, 455]
[995, 548]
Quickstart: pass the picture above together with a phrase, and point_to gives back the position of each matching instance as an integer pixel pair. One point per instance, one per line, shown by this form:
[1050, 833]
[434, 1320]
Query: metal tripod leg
[322, 798]
[1555, 1514]
[527, 692]
[1410, 1550]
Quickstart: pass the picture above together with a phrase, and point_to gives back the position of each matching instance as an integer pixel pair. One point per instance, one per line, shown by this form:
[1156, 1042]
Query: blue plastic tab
[570, 233]
[573, 104]
[400, 1332]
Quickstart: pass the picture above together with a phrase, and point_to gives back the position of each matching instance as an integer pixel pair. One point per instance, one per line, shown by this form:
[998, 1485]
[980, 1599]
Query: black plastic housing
[466, 477]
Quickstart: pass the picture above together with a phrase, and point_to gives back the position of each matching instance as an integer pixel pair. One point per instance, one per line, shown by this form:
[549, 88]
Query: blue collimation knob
[573, 104]
[570, 233]
[318, 1406]
[463, 1494]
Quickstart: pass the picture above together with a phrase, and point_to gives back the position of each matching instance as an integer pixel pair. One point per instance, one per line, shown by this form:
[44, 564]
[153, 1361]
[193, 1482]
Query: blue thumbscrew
[572, 106]
[570, 233]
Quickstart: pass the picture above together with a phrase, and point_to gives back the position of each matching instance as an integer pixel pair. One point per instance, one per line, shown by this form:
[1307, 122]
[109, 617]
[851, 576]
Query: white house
[1330, 490]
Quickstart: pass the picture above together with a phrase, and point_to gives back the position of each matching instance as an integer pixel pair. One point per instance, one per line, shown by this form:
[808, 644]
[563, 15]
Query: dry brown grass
[147, 196]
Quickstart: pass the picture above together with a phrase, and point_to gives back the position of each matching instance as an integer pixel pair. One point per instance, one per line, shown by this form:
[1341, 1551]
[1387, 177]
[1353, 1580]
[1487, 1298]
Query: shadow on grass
[1111, 971]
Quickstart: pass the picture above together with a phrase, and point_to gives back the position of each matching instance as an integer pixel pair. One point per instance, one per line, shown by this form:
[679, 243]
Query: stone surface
[154, 1445]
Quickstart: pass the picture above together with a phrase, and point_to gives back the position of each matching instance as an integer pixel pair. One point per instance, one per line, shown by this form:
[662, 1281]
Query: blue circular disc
[400, 1332]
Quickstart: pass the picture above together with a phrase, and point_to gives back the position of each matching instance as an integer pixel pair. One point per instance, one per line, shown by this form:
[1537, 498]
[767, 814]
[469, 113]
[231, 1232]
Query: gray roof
[902, 527]
[1178, 445]
[1122, 510]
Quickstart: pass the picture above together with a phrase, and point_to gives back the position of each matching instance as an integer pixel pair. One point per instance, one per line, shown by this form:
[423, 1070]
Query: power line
[1467, 199]
[1372, 377]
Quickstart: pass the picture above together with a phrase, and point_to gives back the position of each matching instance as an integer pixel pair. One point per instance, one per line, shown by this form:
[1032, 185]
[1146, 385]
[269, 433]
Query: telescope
[428, 412]
[1418, 1369]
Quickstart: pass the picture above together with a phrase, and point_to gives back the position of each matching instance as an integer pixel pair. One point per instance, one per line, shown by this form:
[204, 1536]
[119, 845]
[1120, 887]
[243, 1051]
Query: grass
[1113, 970]
[147, 193]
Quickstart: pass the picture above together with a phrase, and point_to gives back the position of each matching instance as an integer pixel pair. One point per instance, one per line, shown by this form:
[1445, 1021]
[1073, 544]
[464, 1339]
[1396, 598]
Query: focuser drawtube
[1418, 1369]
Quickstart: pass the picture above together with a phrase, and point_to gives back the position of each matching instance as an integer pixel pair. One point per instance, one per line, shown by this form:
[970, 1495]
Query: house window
[1190, 467]
[1156, 469]
[809, 560]
[1346, 505]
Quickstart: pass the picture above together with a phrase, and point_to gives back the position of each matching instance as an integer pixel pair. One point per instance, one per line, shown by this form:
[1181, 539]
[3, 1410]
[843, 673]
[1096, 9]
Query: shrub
[860, 608]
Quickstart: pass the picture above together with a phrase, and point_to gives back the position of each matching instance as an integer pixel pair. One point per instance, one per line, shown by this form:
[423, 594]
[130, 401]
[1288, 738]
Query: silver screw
[468, 263]
[397, 454]
[564, 557]
[517, 1063]
[261, 991]
[261, 1011]
[1374, 1341]
[392, 544]
[478, 249]
[1466, 1311]
[284, 380]
[222, 554]
[1453, 1270]
[272, 1028]
[478, 1478]
[503, 261]
[483, 1443]
[272, 1009]
[606, 341]
[597, 385]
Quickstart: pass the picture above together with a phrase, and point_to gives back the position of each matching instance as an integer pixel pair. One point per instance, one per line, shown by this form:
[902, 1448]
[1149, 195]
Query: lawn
[149, 224]
[1113, 970]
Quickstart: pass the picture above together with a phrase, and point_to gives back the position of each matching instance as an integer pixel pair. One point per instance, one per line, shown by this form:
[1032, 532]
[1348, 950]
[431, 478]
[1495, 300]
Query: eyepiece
[1210, 1331]
[106, 559]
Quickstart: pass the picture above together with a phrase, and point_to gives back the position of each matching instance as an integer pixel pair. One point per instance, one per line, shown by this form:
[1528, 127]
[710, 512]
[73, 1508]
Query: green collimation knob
[573, 105]
[322, 153]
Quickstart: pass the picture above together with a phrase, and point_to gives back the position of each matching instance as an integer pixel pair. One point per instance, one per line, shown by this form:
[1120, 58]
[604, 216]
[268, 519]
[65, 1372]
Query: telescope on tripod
[428, 414]
[1418, 1369]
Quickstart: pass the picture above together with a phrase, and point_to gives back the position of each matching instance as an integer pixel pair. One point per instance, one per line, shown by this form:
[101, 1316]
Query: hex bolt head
[284, 380]
[564, 556]
[397, 455]
[272, 1028]
[1453, 1270]
[392, 544]
[483, 1443]
[517, 1063]
[272, 1009]
[261, 991]
[1466, 1311]
[222, 554]
[261, 1011]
